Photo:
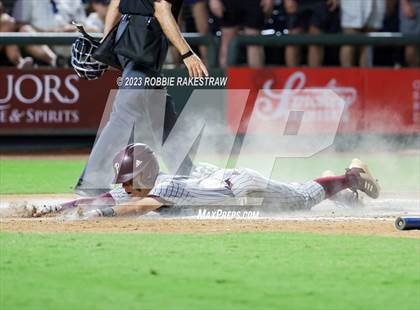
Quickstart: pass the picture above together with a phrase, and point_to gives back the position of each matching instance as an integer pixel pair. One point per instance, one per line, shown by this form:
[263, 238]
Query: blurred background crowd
[225, 19]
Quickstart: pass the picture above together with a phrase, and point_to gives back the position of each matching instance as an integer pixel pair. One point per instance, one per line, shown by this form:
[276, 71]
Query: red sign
[376, 100]
[392, 100]
[57, 101]
[51, 101]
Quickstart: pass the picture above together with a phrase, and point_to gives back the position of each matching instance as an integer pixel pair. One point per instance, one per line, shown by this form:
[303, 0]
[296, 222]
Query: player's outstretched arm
[163, 14]
[138, 207]
[135, 207]
[102, 200]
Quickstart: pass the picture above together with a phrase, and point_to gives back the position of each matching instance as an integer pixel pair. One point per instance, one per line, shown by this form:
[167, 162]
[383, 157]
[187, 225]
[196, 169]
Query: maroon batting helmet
[136, 162]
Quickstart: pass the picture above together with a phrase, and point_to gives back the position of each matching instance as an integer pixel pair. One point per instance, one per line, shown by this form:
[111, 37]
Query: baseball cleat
[361, 179]
[346, 197]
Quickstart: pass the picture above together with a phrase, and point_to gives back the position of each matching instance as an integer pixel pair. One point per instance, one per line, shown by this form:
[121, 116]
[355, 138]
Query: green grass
[395, 172]
[223, 271]
[119, 271]
[39, 176]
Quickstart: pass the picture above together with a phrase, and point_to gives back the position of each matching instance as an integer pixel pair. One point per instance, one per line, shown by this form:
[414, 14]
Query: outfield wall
[56, 101]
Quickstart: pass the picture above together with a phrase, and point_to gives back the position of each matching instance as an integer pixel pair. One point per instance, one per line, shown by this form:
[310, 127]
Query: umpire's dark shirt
[145, 7]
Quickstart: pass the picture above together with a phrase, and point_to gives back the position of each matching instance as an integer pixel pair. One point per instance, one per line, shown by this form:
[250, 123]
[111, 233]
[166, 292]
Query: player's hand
[217, 8]
[195, 66]
[290, 6]
[408, 10]
[332, 5]
[42, 210]
[267, 6]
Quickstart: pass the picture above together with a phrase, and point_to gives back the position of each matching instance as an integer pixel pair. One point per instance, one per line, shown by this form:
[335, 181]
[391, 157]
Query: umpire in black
[136, 41]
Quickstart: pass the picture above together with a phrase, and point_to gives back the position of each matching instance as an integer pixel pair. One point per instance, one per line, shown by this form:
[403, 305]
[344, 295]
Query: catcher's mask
[137, 163]
[81, 56]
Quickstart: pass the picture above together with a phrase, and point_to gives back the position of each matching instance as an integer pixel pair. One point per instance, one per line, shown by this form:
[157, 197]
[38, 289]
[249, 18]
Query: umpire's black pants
[128, 112]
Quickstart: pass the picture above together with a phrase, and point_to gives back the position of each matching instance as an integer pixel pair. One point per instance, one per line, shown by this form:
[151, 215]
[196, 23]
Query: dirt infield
[376, 218]
[333, 227]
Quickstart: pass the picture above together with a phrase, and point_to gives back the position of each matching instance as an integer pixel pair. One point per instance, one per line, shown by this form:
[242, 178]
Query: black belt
[149, 21]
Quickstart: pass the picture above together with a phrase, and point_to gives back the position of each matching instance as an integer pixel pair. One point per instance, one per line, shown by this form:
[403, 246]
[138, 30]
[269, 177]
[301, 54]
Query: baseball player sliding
[145, 188]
